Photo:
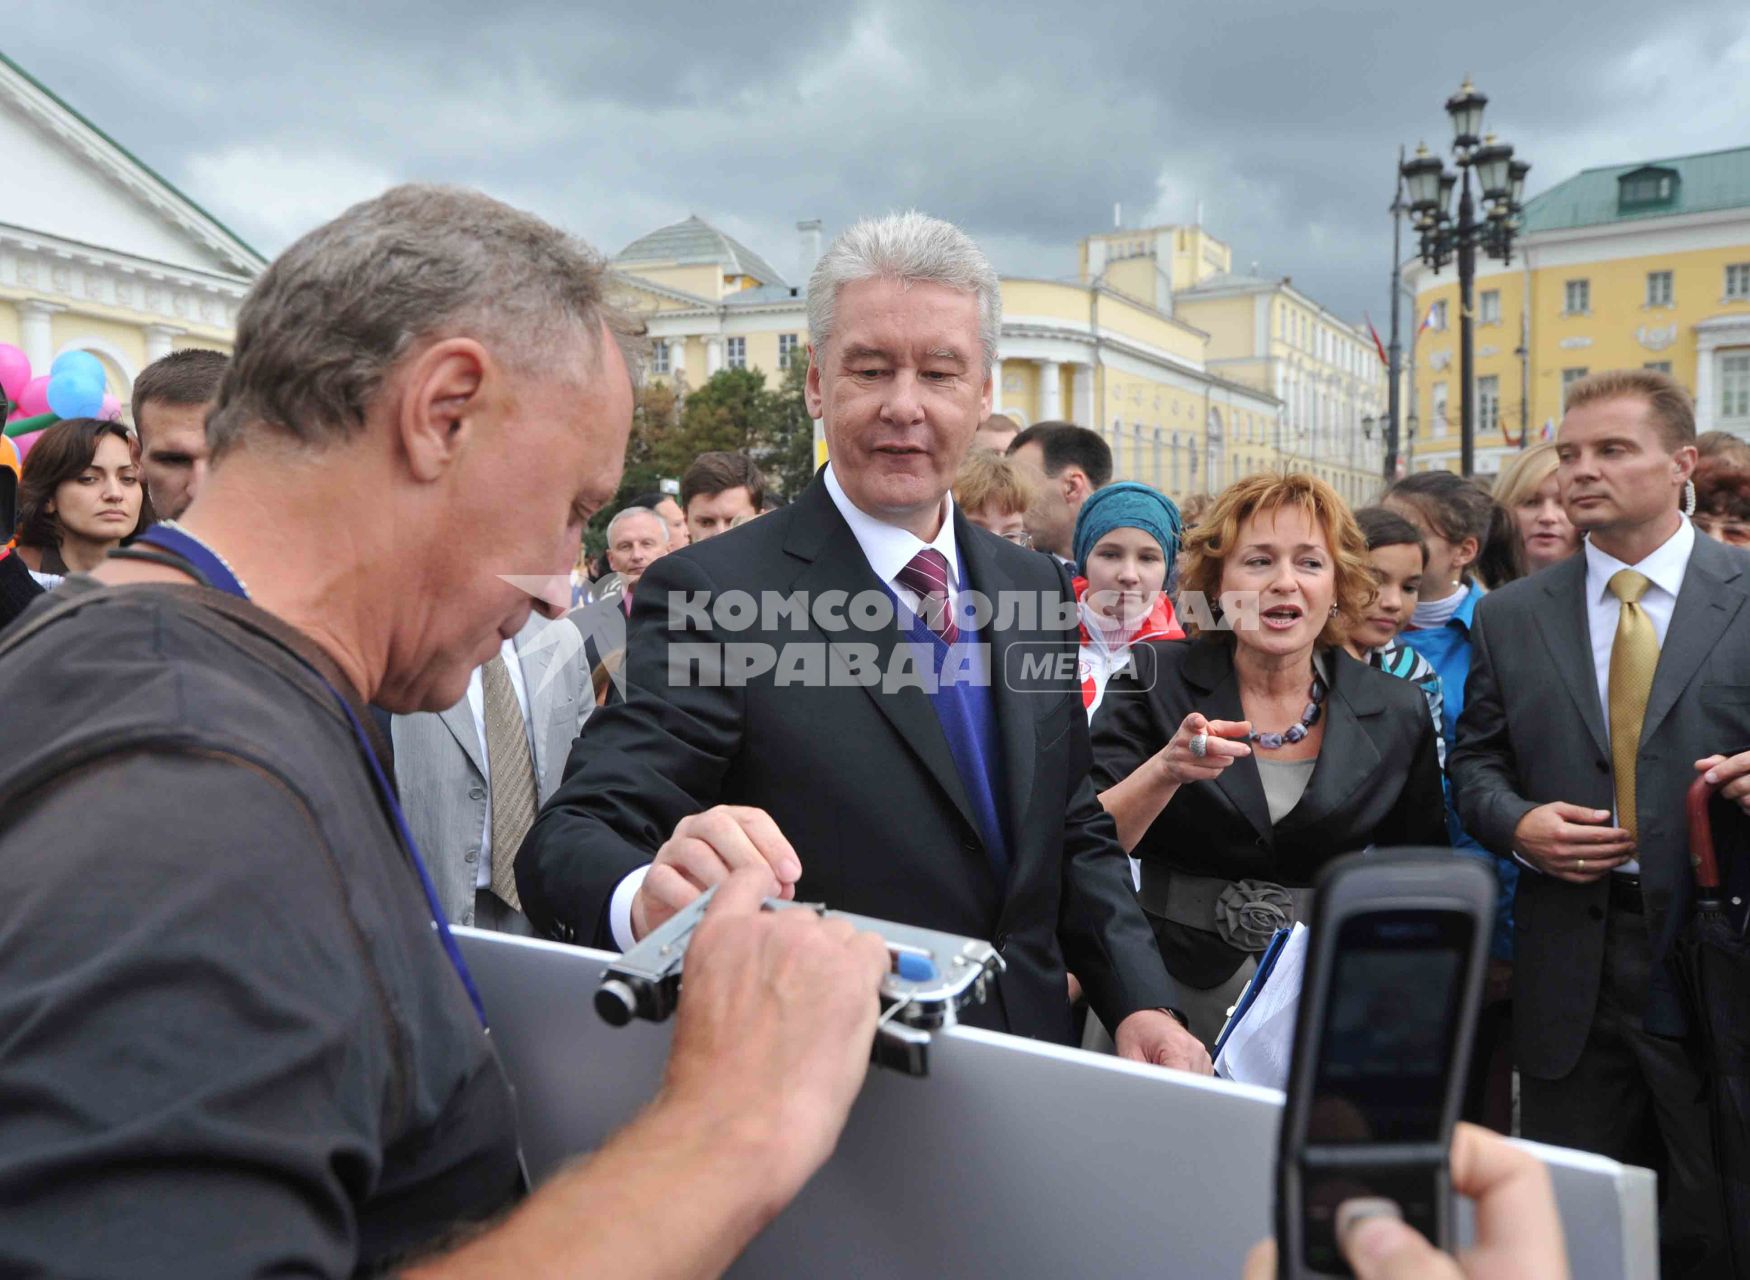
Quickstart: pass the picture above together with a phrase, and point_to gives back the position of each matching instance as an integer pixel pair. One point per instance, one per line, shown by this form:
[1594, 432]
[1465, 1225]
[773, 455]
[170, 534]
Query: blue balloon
[73, 395]
[86, 365]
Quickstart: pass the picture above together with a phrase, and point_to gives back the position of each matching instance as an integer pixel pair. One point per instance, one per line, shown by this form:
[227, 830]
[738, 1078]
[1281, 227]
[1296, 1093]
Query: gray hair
[912, 248]
[333, 314]
[637, 511]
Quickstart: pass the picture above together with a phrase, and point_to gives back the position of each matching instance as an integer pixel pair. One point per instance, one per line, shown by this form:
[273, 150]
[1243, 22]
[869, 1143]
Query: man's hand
[1519, 1235]
[1572, 843]
[705, 848]
[776, 1017]
[1734, 772]
[1153, 1036]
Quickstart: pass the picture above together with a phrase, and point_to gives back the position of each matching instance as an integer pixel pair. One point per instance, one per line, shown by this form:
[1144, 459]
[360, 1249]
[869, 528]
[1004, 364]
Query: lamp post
[1447, 232]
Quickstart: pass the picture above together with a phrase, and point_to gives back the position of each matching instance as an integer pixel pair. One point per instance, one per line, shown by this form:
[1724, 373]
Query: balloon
[23, 444]
[111, 410]
[73, 395]
[34, 399]
[14, 370]
[87, 367]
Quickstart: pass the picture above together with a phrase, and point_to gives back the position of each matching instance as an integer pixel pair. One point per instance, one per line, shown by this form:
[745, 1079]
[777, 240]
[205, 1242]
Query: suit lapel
[1016, 711]
[459, 720]
[1209, 669]
[1706, 604]
[541, 648]
[1347, 757]
[820, 536]
[1568, 637]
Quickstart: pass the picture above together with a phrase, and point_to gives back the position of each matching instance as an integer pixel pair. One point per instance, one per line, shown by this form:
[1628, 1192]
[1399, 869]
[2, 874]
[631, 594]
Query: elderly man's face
[637, 541]
[544, 454]
[900, 389]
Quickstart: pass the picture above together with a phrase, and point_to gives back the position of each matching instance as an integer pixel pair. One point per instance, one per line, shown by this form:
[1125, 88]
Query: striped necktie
[927, 574]
[513, 776]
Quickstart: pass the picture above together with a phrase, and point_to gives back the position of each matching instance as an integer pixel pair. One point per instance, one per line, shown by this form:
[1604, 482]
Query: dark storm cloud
[1024, 123]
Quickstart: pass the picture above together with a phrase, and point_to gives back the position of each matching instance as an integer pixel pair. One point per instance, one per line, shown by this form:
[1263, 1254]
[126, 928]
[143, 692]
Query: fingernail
[1712, 777]
[1367, 1225]
[792, 869]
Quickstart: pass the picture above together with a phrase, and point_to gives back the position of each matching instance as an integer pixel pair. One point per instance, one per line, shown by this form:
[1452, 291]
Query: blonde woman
[1539, 529]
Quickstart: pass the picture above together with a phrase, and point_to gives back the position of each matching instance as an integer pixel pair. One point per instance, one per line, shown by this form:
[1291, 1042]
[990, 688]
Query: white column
[713, 355]
[1050, 392]
[1084, 385]
[158, 337]
[996, 385]
[33, 330]
[1704, 384]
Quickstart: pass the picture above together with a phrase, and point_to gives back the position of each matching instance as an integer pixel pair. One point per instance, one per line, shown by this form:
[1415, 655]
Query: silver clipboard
[1014, 1159]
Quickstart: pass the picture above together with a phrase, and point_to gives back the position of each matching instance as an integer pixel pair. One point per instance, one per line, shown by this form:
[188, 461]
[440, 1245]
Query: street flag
[1377, 344]
[1428, 320]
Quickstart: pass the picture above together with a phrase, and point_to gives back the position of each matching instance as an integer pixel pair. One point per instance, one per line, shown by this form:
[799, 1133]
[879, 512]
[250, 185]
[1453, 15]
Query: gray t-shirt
[230, 1042]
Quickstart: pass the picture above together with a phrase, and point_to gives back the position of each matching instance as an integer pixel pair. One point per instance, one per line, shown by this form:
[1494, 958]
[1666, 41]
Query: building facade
[97, 252]
[1624, 266]
[1186, 405]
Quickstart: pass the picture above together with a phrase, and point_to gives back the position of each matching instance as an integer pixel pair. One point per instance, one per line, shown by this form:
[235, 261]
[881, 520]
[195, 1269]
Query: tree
[790, 462]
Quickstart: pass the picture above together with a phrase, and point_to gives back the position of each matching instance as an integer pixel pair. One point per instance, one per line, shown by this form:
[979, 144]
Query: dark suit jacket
[1532, 732]
[1377, 781]
[860, 779]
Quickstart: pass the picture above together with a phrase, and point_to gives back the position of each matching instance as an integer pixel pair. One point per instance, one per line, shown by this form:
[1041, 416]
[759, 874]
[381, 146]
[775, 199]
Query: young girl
[1126, 539]
[1400, 558]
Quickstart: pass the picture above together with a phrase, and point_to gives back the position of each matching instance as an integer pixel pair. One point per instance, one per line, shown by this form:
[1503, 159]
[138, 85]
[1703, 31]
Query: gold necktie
[1634, 655]
[513, 777]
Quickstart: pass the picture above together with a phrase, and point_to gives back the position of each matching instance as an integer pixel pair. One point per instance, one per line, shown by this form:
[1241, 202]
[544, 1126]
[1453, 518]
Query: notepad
[1257, 1044]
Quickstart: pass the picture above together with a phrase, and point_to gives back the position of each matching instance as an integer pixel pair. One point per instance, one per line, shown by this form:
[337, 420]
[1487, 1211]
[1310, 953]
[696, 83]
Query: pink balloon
[112, 408]
[14, 370]
[34, 399]
[23, 444]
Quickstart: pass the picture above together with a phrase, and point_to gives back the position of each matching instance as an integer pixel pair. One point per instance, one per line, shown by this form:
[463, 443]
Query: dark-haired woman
[79, 497]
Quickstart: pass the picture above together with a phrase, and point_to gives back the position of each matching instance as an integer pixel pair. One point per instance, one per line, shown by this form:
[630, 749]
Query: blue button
[913, 967]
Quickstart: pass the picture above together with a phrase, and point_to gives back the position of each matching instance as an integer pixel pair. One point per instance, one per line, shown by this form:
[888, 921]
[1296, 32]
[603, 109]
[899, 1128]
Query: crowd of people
[281, 709]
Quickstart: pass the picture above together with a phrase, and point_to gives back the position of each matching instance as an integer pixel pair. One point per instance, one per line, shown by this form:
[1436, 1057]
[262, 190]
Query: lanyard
[214, 573]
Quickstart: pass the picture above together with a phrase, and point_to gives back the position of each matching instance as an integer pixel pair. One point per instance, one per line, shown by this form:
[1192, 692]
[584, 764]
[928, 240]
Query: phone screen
[1390, 1023]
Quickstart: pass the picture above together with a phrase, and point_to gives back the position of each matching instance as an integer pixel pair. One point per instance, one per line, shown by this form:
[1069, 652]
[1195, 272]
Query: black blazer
[1377, 781]
[1532, 731]
[859, 778]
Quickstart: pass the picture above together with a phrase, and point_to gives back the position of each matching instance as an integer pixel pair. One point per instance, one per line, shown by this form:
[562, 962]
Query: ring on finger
[1199, 745]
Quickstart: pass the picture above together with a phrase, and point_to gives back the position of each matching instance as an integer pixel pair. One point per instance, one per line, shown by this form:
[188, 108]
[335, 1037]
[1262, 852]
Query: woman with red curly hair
[1238, 762]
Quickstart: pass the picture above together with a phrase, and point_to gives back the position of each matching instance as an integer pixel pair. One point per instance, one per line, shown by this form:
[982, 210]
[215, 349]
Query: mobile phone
[1388, 1009]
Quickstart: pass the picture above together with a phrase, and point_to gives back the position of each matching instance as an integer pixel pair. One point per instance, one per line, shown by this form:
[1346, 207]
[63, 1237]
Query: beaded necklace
[1295, 732]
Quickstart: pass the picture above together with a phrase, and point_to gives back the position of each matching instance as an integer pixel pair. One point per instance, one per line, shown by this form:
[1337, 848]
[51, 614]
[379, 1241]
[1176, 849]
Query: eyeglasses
[1020, 538]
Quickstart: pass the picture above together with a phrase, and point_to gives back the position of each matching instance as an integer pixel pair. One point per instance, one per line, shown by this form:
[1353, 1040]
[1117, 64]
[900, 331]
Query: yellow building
[100, 254]
[1085, 353]
[1625, 266]
[1265, 334]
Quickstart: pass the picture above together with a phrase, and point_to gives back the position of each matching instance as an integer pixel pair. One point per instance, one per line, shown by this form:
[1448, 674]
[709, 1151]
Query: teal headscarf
[1128, 505]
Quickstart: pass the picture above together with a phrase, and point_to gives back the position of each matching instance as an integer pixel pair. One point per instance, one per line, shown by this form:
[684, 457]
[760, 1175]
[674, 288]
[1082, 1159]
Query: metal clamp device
[932, 977]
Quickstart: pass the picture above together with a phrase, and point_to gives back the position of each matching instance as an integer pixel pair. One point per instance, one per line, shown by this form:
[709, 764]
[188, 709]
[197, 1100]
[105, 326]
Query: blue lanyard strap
[215, 574]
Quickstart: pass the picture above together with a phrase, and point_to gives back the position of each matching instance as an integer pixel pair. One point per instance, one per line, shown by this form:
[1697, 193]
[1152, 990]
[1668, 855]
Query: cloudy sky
[1024, 123]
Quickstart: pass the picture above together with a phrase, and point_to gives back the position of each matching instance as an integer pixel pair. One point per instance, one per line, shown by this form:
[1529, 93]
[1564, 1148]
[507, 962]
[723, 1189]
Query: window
[1488, 403]
[1437, 316]
[1569, 378]
[1647, 188]
[659, 357]
[1658, 288]
[1738, 280]
[1658, 366]
[1579, 298]
[1489, 306]
[735, 353]
[1735, 385]
[1438, 408]
[788, 343]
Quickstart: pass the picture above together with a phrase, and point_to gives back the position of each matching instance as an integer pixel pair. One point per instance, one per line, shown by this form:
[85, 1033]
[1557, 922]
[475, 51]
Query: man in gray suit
[1582, 777]
[472, 777]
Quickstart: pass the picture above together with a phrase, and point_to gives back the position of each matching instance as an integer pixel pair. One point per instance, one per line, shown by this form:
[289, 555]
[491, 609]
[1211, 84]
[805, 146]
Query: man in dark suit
[1583, 776]
[951, 792]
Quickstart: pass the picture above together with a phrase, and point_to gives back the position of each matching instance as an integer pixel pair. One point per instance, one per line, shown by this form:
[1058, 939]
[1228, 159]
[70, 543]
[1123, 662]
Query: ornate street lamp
[1447, 232]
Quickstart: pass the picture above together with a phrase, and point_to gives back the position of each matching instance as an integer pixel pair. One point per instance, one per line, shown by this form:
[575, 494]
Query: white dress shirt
[1664, 569]
[888, 549]
[477, 705]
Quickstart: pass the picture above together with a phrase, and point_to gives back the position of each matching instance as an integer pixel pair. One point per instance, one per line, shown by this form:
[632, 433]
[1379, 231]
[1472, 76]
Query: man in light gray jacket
[472, 777]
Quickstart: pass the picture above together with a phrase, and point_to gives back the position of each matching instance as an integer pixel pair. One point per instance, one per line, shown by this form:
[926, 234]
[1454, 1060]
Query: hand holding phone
[1388, 1006]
